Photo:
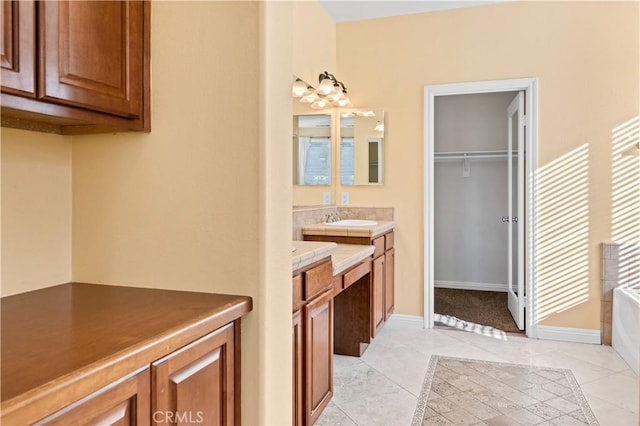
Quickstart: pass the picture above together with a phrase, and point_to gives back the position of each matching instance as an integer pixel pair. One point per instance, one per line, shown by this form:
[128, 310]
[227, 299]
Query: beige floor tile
[617, 389]
[611, 388]
[502, 420]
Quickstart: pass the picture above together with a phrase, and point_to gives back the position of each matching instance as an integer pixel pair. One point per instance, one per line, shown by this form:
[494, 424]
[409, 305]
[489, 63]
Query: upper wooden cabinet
[91, 67]
[17, 58]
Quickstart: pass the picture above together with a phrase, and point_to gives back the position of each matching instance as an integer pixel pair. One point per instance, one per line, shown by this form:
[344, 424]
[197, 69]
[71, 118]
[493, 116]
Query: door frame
[529, 86]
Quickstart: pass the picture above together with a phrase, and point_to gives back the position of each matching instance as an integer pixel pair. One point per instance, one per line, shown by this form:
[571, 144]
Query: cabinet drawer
[378, 243]
[317, 279]
[356, 273]
[388, 241]
[297, 292]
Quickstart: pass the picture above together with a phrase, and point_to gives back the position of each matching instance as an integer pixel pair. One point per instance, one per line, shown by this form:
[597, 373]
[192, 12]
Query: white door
[515, 205]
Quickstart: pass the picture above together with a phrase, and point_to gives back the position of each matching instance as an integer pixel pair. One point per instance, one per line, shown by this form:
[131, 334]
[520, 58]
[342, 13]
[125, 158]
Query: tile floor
[382, 387]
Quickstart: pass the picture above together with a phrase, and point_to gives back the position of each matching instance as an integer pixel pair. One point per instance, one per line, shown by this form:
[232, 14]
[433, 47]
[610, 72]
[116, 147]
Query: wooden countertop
[88, 335]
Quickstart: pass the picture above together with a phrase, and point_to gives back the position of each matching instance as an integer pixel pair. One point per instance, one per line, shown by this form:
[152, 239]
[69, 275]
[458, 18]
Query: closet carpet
[481, 307]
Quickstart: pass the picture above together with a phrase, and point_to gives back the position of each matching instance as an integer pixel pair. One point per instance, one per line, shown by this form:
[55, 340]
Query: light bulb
[344, 102]
[299, 88]
[320, 103]
[366, 113]
[325, 87]
[310, 98]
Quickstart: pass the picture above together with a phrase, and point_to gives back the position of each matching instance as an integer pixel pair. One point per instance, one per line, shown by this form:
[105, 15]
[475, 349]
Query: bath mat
[464, 391]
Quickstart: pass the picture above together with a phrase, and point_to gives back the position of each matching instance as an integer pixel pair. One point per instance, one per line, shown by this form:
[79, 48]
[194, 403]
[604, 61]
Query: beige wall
[203, 202]
[36, 210]
[586, 58]
[314, 41]
[314, 51]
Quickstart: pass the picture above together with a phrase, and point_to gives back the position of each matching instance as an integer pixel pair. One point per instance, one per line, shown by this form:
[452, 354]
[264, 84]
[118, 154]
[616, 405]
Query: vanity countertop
[348, 255]
[308, 252]
[371, 231]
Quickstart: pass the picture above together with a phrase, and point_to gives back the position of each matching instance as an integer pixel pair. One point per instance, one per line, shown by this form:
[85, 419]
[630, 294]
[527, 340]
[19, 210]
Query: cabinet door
[389, 270]
[298, 371]
[318, 324]
[195, 384]
[378, 291]
[93, 55]
[125, 402]
[17, 58]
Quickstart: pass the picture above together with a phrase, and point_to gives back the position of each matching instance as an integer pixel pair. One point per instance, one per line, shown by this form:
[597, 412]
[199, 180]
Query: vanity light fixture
[330, 92]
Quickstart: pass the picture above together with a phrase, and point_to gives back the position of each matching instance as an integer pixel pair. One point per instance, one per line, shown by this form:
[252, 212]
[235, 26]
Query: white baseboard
[463, 285]
[565, 334]
[407, 318]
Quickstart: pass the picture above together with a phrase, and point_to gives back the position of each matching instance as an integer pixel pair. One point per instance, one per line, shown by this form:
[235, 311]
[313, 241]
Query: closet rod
[471, 155]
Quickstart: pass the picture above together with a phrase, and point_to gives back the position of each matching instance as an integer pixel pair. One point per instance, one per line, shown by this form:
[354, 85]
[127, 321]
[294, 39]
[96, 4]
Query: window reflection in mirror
[312, 149]
[361, 147]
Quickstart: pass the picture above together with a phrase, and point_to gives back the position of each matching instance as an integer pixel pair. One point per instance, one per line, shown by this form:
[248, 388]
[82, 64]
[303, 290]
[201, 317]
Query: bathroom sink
[352, 222]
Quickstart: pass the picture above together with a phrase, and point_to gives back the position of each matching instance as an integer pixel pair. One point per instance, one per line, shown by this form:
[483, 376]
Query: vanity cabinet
[98, 354]
[79, 67]
[312, 341]
[298, 369]
[389, 278]
[378, 293]
[382, 272]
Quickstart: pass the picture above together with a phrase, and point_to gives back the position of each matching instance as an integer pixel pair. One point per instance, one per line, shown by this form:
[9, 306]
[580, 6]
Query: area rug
[464, 392]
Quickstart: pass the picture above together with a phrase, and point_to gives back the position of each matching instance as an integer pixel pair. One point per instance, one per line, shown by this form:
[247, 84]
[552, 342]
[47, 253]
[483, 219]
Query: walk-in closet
[478, 198]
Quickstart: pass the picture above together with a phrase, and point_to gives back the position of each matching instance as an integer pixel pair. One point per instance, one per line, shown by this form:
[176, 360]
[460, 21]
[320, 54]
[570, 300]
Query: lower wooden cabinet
[298, 370]
[117, 355]
[195, 385]
[378, 293]
[312, 334]
[382, 273]
[318, 318]
[389, 301]
[125, 402]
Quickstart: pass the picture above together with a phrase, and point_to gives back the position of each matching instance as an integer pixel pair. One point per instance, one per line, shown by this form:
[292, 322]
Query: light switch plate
[326, 197]
[344, 198]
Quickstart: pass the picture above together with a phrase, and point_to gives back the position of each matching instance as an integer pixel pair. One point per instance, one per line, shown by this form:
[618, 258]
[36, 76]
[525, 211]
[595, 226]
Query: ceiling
[357, 10]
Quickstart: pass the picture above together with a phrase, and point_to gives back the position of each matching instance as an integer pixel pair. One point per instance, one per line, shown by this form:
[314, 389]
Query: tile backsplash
[309, 215]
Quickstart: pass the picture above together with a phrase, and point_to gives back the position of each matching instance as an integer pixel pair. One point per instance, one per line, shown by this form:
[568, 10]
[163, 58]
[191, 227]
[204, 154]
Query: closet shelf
[464, 155]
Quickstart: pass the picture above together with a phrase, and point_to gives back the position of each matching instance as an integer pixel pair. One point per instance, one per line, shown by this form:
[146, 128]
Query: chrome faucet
[333, 217]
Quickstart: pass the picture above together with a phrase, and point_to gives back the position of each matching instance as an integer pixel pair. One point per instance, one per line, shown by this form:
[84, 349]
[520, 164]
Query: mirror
[361, 147]
[312, 150]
